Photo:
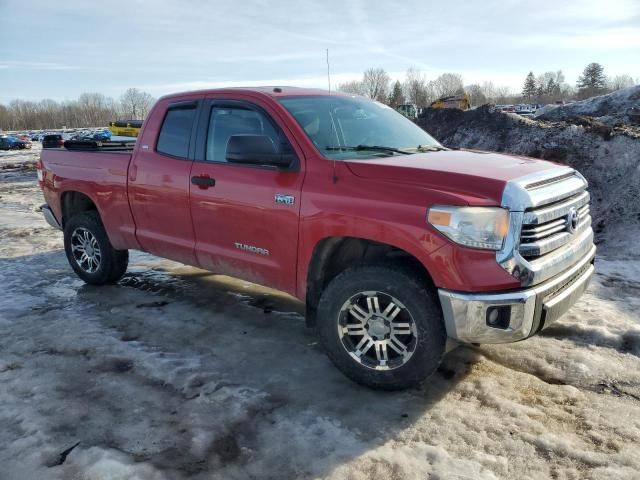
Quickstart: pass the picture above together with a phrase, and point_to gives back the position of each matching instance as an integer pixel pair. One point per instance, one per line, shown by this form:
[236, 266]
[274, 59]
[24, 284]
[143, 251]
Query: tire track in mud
[569, 414]
[620, 285]
[172, 396]
[628, 343]
[167, 284]
[602, 387]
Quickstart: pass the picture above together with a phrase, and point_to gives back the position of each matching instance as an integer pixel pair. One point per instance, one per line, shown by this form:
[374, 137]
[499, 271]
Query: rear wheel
[381, 327]
[90, 252]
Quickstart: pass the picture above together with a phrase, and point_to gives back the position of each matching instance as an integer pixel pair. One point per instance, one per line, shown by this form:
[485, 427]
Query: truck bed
[100, 175]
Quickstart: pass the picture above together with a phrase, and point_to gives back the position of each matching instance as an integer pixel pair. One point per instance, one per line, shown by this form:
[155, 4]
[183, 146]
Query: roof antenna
[328, 72]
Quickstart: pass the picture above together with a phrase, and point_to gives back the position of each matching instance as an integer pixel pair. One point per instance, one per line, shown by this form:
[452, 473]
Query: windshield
[344, 127]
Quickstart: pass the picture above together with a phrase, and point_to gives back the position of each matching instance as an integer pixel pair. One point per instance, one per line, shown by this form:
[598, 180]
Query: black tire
[420, 304]
[112, 264]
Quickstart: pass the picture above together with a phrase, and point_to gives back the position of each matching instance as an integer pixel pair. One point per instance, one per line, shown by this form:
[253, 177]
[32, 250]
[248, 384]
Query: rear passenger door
[245, 217]
[159, 181]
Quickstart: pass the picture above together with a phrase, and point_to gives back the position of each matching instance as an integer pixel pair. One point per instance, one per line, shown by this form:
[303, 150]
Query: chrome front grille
[551, 226]
[541, 242]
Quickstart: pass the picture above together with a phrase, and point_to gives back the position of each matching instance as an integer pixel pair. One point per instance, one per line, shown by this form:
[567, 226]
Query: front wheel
[90, 252]
[381, 327]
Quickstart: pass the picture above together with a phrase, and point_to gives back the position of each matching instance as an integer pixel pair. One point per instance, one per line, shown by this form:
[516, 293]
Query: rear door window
[175, 133]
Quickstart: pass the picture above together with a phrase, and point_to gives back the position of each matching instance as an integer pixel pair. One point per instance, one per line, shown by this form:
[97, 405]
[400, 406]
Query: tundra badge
[251, 248]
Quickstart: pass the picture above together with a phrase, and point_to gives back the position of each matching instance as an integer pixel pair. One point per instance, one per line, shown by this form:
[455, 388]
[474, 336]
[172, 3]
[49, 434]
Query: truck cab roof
[271, 91]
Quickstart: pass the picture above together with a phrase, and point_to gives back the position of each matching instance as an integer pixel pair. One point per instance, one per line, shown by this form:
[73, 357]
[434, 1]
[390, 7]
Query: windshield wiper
[374, 148]
[430, 148]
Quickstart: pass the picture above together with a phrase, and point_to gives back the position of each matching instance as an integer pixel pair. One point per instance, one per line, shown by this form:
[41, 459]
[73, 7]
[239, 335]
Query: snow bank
[620, 106]
[608, 157]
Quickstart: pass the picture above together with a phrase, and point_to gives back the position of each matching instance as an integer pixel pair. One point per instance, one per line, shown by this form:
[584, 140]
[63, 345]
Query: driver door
[245, 217]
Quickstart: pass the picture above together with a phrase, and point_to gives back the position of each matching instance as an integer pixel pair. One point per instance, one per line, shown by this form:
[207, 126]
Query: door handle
[203, 182]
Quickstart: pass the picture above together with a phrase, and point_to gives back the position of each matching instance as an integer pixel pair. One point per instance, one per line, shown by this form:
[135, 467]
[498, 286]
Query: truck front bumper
[515, 315]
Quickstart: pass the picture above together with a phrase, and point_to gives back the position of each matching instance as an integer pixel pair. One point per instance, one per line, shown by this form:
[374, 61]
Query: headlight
[477, 227]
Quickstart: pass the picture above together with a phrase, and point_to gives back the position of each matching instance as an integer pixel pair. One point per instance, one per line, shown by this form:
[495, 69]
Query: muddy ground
[176, 373]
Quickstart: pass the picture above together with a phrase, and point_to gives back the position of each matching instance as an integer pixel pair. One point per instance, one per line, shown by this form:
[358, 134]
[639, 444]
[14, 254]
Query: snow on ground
[610, 107]
[176, 373]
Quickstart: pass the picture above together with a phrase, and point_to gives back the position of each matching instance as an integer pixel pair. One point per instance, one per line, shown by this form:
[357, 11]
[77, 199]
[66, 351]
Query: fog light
[499, 316]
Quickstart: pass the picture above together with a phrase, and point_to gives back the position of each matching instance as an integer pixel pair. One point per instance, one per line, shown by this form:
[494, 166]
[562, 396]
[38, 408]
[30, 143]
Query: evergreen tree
[396, 97]
[592, 81]
[530, 88]
[540, 89]
[551, 87]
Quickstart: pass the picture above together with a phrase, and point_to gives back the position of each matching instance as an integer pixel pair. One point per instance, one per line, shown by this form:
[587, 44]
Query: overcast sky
[61, 48]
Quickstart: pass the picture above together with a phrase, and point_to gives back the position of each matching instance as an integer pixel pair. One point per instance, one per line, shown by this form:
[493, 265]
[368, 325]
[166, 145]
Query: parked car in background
[81, 135]
[102, 135]
[53, 140]
[5, 143]
[22, 144]
[9, 142]
[524, 110]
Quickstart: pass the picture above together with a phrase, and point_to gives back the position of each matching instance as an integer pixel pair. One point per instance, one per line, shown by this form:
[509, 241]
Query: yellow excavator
[454, 101]
[125, 128]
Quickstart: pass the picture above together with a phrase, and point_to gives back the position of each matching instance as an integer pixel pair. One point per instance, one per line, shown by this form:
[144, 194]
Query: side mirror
[256, 150]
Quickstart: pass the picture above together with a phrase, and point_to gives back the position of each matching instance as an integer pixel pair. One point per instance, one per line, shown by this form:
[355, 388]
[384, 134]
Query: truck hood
[477, 178]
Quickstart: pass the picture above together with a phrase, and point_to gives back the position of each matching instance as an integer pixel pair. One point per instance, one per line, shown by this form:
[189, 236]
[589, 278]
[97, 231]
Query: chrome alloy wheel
[377, 330]
[85, 249]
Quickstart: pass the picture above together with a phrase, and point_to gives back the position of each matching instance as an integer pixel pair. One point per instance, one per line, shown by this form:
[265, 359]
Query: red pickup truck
[395, 243]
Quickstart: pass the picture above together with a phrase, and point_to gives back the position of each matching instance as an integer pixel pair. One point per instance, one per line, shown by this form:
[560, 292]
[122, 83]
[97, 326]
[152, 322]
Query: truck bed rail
[95, 145]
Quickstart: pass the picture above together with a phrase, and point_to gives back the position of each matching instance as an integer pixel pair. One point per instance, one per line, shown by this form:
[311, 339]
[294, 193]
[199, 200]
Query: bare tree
[50, 114]
[489, 91]
[550, 87]
[89, 110]
[5, 117]
[24, 112]
[354, 87]
[416, 89]
[476, 94]
[96, 109]
[375, 83]
[503, 94]
[447, 84]
[135, 104]
[621, 81]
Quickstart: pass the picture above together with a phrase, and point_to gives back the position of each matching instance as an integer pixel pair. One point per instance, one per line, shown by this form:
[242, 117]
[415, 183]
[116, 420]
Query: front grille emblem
[573, 218]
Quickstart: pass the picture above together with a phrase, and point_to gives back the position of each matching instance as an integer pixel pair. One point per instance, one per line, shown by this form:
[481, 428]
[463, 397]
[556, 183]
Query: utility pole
[328, 72]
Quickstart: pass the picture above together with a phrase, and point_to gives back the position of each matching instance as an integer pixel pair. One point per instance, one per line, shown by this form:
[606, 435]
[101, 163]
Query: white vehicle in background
[524, 110]
[409, 110]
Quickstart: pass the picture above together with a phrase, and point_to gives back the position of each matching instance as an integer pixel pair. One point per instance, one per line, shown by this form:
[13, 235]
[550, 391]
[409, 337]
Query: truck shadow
[184, 346]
